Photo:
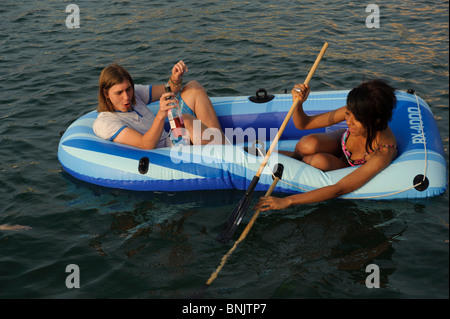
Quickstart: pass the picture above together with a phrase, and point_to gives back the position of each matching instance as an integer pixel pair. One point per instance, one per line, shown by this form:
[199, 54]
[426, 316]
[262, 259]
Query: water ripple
[161, 245]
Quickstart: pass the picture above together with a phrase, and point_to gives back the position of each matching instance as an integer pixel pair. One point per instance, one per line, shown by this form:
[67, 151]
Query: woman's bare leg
[195, 96]
[205, 128]
[320, 150]
[200, 133]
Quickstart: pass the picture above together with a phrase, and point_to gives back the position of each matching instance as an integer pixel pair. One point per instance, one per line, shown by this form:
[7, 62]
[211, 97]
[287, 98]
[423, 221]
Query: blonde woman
[125, 118]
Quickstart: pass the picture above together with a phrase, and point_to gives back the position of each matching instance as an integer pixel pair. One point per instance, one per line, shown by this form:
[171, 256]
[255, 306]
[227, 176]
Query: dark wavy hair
[372, 103]
[110, 76]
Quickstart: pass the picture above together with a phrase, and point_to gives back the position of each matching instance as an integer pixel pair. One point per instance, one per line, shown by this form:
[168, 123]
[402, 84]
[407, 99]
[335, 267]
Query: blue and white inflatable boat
[419, 171]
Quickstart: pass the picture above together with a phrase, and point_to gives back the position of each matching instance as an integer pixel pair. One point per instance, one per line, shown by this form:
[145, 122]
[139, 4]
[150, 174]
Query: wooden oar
[238, 213]
[277, 176]
[200, 293]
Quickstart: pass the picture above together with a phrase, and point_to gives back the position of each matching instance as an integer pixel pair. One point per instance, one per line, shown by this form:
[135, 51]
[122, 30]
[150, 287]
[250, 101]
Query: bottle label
[175, 120]
[178, 133]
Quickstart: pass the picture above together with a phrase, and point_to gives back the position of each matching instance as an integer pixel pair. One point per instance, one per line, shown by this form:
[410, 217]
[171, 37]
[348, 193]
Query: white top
[109, 124]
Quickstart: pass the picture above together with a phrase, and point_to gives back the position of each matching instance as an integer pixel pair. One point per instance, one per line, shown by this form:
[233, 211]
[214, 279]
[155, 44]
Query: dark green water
[161, 245]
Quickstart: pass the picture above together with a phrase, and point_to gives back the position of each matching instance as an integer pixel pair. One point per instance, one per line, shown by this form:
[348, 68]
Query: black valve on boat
[144, 162]
[261, 96]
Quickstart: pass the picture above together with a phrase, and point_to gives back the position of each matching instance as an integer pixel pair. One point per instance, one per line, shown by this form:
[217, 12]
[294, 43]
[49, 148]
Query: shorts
[185, 108]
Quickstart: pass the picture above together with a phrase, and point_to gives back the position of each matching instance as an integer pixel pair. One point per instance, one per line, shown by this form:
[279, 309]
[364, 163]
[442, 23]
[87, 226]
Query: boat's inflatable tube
[419, 171]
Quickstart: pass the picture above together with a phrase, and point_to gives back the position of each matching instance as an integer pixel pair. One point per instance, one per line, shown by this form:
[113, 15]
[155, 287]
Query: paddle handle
[316, 64]
[291, 111]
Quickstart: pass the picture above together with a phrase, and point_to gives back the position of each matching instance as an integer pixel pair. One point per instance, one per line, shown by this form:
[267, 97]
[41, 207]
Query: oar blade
[238, 213]
[235, 218]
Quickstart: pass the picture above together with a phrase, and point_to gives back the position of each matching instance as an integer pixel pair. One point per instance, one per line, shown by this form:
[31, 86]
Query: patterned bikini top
[359, 161]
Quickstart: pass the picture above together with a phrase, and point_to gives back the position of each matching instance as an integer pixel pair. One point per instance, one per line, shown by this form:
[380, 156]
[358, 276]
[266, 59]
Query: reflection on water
[161, 245]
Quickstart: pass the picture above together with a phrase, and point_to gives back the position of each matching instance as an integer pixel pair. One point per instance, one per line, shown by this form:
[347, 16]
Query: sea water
[62, 238]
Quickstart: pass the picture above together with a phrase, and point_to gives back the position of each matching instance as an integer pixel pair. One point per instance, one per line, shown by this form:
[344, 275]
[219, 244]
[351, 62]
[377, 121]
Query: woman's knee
[193, 92]
[307, 145]
[194, 86]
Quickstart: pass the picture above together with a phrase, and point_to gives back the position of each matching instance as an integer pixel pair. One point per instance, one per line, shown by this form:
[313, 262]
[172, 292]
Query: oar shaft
[242, 237]
[291, 111]
[239, 211]
[316, 64]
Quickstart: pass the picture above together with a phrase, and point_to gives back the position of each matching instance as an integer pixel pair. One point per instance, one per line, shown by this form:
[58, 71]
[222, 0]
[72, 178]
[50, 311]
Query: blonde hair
[110, 76]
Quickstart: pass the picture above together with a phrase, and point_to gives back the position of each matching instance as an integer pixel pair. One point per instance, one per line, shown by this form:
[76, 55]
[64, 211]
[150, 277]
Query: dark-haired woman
[367, 143]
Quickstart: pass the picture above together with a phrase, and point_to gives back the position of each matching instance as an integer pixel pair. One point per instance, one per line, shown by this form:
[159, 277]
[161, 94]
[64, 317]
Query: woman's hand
[178, 71]
[300, 92]
[269, 203]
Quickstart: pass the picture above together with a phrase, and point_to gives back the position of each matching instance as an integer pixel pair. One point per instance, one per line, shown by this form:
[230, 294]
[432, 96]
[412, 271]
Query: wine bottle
[178, 133]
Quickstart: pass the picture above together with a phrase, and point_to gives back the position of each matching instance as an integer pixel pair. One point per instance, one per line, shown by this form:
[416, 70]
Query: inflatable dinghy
[419, 171]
